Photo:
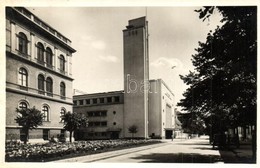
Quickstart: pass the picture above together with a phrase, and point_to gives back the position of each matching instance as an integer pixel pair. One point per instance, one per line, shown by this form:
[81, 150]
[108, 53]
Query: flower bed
[18, 152]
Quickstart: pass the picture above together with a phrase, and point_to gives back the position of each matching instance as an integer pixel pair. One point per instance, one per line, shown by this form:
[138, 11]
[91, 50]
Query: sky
[96, 34]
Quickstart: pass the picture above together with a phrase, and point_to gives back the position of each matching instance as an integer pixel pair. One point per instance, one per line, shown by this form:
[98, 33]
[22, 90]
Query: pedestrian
[172, 136]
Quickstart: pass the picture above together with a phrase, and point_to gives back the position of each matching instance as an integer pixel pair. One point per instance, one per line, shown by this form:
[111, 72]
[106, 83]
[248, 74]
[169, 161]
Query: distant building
[107, 117]
[38, 73]
[147, 104]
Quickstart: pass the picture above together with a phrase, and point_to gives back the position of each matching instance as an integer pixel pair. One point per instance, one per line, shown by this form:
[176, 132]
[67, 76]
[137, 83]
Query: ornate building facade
[38, 73]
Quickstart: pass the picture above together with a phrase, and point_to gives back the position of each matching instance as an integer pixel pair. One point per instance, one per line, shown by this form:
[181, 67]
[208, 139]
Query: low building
[106, 114]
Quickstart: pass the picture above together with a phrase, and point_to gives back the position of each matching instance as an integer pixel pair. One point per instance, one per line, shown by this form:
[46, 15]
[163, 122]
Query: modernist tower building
[38, 73]
[136, 76]
[147, 104]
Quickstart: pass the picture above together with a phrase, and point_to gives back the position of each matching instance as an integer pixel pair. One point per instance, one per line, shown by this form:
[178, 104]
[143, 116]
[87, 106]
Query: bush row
[18, 152]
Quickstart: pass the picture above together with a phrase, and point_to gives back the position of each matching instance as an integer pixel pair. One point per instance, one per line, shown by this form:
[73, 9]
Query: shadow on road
[179, 158]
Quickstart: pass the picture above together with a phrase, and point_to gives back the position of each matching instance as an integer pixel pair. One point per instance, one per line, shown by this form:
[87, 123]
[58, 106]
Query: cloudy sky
[96, 34]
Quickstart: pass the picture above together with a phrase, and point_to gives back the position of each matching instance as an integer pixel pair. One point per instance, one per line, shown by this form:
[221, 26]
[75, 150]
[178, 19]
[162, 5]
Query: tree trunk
[254, 145]
[70, 136]
[26, 136]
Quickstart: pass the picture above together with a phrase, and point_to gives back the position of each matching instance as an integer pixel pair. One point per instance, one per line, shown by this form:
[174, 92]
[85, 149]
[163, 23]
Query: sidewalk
[243, 154]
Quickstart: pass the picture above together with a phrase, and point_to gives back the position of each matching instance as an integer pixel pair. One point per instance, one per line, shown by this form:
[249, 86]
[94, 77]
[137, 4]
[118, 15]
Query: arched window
[23, 106]
[23, 77]
[62, 113]
[40, 84]
[45, 112]
[22, 43]
[49, 86]
[40, 53]
[62, 90]
[62, 64]
[49, 57]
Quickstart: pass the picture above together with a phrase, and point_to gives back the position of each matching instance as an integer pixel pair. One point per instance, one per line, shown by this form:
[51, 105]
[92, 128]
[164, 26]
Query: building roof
[24, 15]
[99, 94]
[160, 80]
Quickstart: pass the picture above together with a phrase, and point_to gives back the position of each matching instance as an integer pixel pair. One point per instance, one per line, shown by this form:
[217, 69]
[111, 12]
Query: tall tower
[136, 77]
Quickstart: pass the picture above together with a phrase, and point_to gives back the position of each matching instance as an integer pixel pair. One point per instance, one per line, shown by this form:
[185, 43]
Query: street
[197, 150]
[176, 151]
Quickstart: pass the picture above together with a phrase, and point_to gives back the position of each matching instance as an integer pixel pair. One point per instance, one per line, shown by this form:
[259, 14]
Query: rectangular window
[46, 133]
[87, 101]
[75, 102]
[103, 113]
[96, 113]
[116, 98]
[109, 99]
[94, 101]
[103, 134]
[103, 123]
[90, 124]
[102, 100]
[81, 102]
[96, 124]
[90, 114]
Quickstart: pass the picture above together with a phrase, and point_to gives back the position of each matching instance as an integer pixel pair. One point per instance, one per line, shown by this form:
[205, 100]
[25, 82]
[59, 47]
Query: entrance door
[168, 134]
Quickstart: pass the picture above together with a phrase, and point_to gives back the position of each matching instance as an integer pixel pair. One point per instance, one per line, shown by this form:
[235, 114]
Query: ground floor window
[46, 134]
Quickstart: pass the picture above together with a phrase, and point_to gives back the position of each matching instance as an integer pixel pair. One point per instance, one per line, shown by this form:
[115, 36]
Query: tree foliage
[29, 119]
[223, 87]
[74, 121]
[133, 130]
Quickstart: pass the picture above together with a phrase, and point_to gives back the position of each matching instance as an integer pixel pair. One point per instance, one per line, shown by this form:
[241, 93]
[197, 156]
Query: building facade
[161, 110]
[105, 112]
[136, 76]
[38, 73]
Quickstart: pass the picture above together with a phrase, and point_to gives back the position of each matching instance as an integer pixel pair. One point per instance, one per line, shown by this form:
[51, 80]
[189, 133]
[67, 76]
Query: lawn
[19, 152]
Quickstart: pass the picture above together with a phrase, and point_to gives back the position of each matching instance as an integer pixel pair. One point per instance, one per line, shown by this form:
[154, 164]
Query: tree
[74, 121]
[223, 87]
[29, 119]
[133, 130]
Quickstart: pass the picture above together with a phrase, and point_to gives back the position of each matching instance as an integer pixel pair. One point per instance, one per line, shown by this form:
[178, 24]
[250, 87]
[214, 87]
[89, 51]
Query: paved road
[177, 151]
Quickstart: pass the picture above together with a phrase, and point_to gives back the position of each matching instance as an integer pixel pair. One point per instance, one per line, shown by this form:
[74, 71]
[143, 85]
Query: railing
[42, 24]
[36, 91]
